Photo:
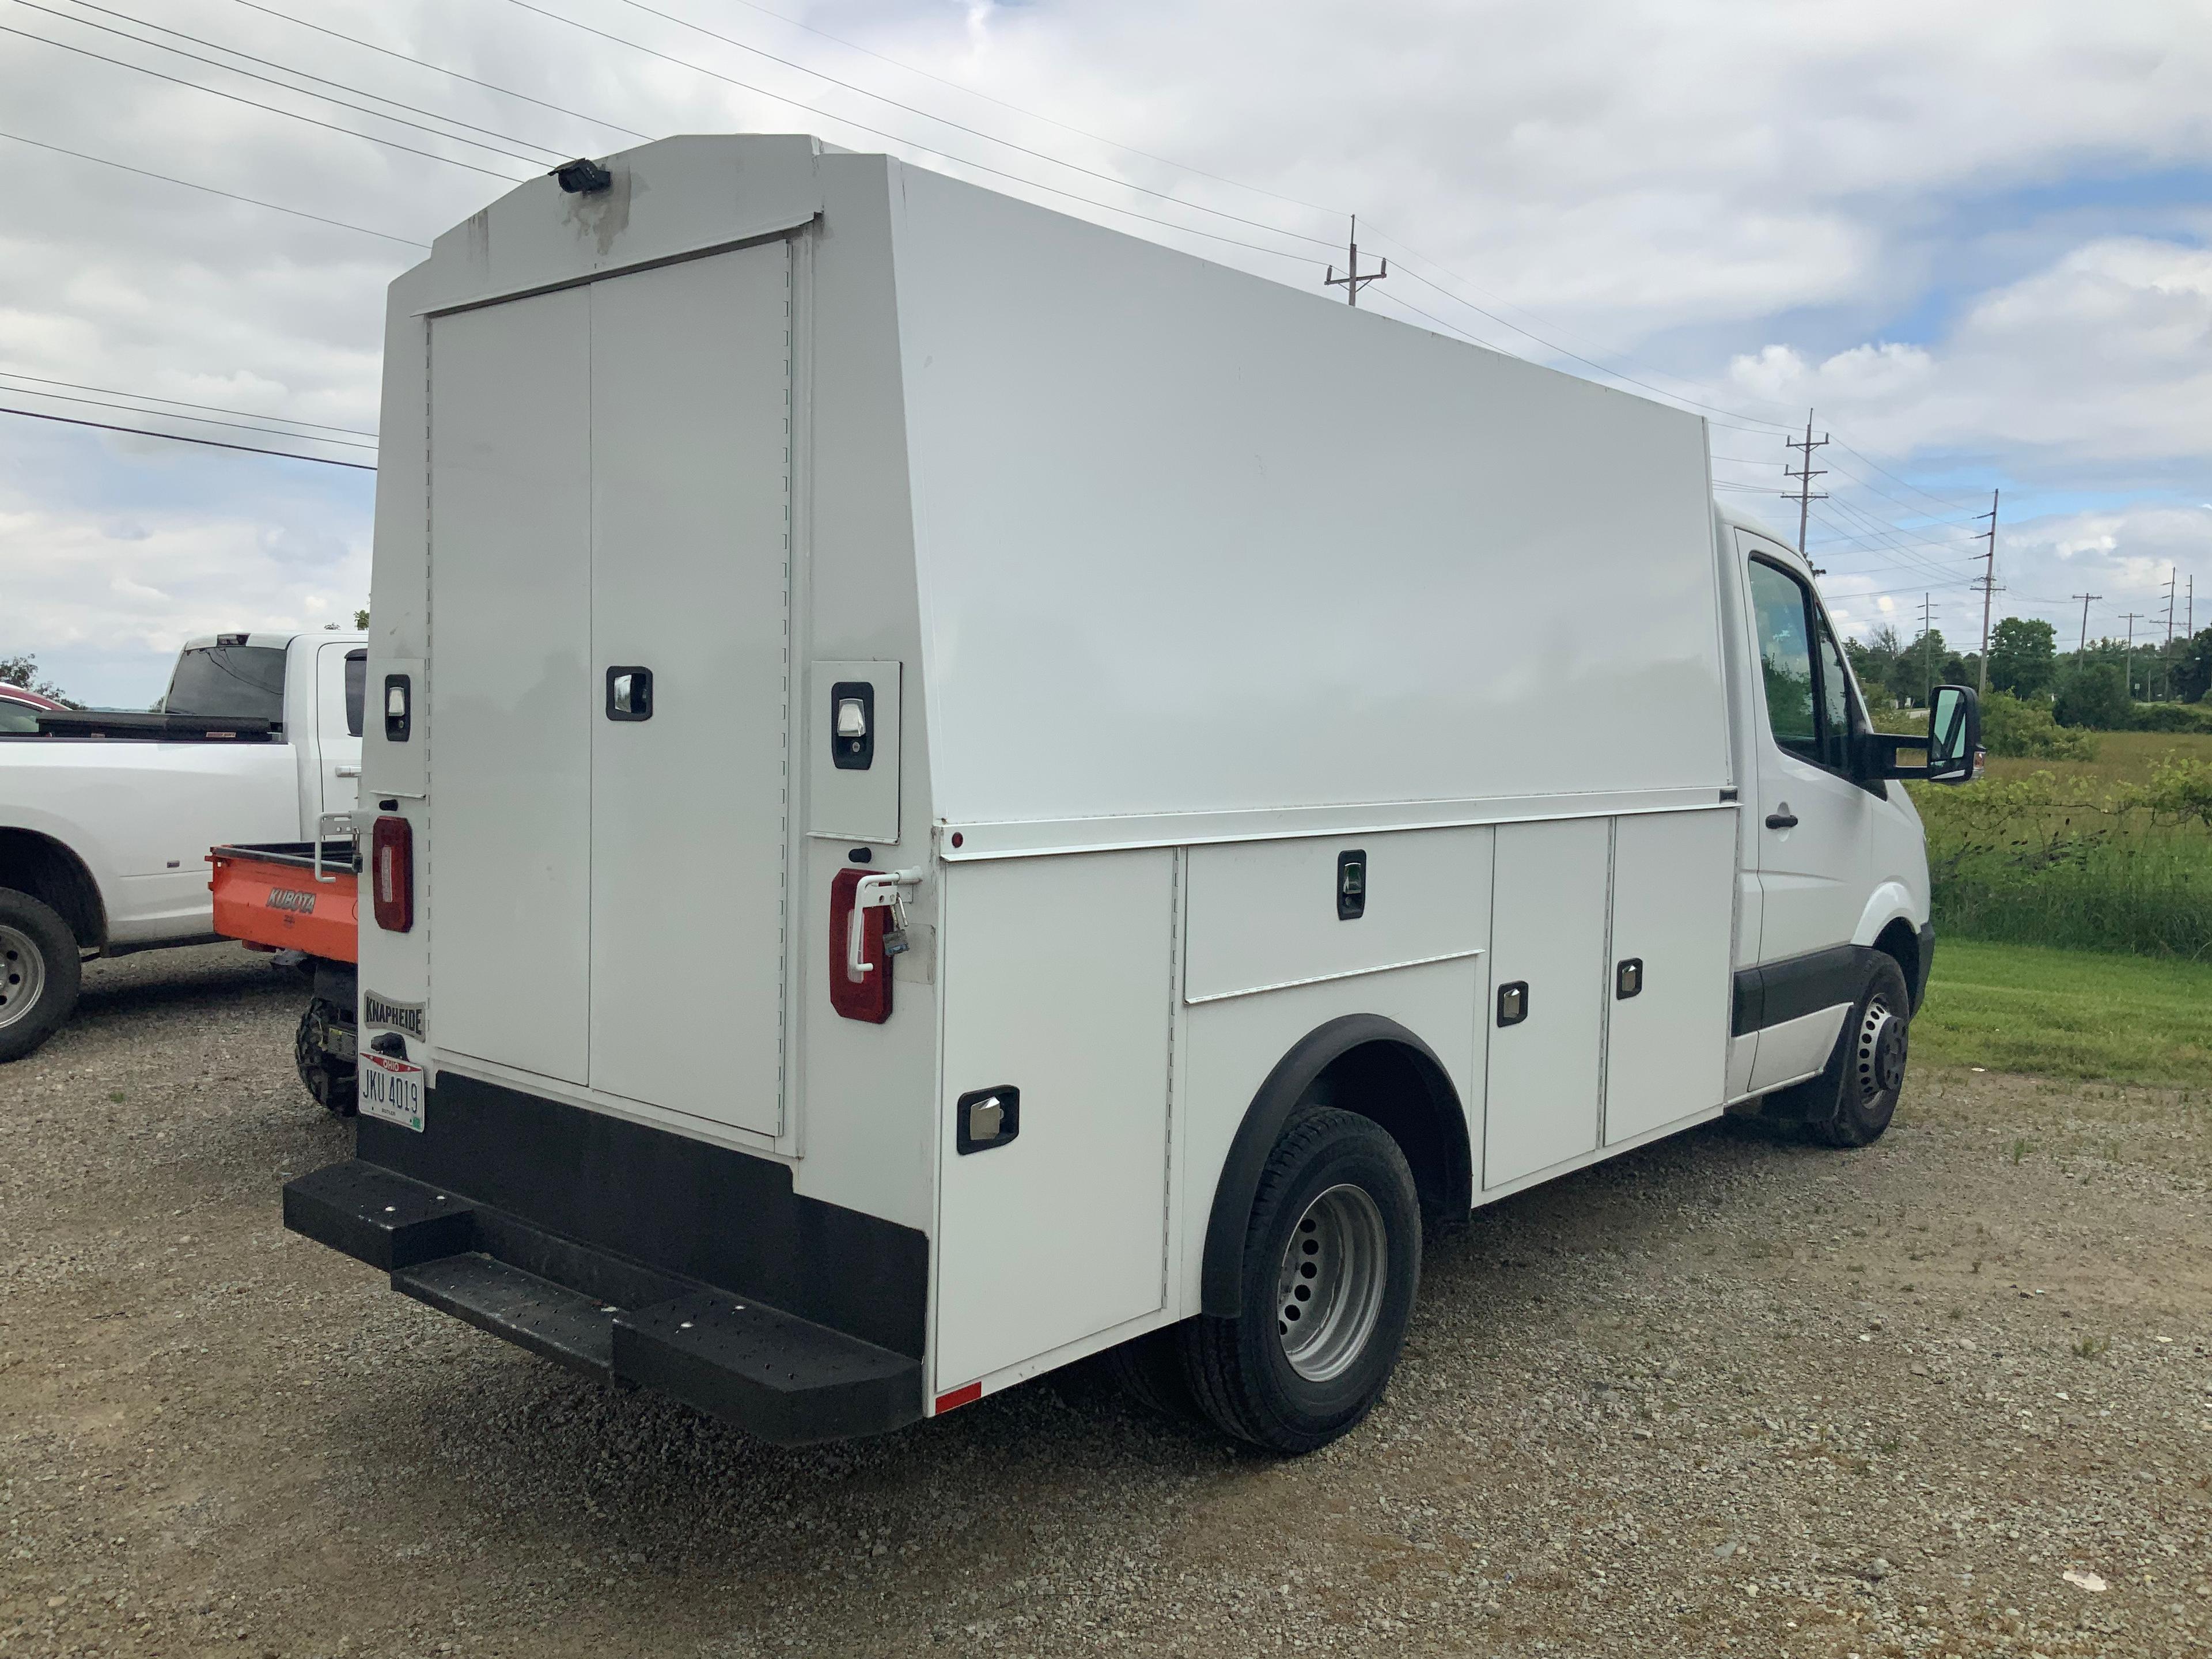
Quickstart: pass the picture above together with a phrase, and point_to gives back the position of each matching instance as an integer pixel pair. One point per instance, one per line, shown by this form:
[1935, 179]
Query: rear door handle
[1782, 819]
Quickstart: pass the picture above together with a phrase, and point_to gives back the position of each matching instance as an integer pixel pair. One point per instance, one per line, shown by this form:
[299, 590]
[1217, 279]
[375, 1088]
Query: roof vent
[582, 178]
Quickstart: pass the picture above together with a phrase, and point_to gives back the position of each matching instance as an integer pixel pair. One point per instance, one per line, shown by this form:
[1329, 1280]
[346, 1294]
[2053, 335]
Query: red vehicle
[20, 709]
[299, 901]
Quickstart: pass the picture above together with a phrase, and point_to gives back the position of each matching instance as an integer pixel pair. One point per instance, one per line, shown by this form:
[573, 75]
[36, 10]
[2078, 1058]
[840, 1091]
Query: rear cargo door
[610, 578]
[508, 877]
[691, 448]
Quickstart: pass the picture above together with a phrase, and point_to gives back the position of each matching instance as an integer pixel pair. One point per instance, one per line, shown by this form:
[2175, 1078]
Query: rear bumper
[636, 1257]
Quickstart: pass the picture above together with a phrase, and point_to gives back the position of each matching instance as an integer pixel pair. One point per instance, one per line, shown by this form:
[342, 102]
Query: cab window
[1808, 688]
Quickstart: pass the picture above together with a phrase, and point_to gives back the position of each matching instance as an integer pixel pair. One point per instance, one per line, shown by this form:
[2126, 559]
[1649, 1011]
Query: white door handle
[348, 771]
[878, 892]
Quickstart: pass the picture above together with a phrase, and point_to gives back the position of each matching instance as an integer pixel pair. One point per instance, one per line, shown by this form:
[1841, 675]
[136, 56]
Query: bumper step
[551, 1321]
[785, 1379]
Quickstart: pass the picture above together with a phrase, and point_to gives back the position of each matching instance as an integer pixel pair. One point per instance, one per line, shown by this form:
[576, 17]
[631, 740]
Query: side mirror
[1953, 745]
[1954, 733]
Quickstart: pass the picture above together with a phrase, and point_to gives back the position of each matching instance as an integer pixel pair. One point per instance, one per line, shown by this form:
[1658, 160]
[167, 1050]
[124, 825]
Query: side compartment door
[511, 701]
[1666, 1033]
[1547, 950]
[1057, 983]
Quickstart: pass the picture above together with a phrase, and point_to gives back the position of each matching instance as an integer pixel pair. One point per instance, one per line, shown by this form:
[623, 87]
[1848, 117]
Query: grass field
[2122, 757]
[2076, 1014]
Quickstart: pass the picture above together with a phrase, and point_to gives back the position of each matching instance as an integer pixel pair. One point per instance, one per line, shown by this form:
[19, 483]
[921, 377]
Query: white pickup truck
[106, 818]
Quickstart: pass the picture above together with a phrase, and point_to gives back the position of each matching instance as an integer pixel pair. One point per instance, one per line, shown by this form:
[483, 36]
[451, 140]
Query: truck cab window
[356, 690]
[229, 683]
[1835, 695]
[1783, 611]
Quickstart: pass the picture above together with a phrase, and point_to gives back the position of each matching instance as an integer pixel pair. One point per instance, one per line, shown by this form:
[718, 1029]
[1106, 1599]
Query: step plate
[534, 1313]
[784, 1379]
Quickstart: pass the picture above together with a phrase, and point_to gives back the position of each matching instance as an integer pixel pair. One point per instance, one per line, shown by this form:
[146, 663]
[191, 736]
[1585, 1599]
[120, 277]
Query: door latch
[877, 892]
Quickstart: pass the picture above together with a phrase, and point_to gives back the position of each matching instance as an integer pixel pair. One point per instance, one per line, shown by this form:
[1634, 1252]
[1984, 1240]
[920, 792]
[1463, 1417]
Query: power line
[202, 420]
[150, 397]
[1034, 115]
[304, 75]
[975, 132]
[210, 189]
[440, 69]
[273, 109]
[285, 86]
[879, 132]
[179, 437]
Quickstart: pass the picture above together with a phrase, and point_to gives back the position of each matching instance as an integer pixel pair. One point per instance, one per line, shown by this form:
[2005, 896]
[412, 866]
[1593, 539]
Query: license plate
[391, 1090]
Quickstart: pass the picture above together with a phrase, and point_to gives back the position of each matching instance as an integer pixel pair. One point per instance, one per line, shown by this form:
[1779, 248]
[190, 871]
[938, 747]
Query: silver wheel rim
[1880, 1052]
[1328, 1291]
[22, 975]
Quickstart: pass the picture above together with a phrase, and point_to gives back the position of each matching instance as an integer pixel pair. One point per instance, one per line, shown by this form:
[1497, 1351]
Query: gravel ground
[1949, 1395]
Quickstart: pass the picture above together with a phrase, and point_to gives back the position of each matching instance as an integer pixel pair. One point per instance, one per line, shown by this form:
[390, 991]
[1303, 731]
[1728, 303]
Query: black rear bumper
[636, 1257]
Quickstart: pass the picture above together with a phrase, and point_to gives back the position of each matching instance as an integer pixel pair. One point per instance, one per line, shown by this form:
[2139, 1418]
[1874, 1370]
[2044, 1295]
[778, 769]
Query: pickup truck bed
[270, 896]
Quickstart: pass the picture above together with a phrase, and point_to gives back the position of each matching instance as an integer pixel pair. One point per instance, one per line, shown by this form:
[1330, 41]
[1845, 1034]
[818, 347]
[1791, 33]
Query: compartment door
[510, 732]
[691, 577]
[1547, 932]
[1673, 913]
[1057, 983]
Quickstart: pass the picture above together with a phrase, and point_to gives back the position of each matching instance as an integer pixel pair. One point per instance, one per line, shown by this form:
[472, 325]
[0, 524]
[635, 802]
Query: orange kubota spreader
[299, 900]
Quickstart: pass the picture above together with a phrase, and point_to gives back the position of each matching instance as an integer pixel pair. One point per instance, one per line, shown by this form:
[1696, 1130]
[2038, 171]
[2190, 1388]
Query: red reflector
[867, 996]
[392, 873]
[967, 1396]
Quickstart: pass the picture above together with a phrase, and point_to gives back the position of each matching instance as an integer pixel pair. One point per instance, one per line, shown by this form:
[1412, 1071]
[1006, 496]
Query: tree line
[2097, 686]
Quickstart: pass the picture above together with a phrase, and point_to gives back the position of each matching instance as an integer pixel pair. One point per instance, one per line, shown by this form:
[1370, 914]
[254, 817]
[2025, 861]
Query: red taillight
[392, 873]
[868, 996]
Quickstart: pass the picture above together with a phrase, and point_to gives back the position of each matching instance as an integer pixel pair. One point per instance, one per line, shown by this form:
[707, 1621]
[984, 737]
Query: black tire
[1149, 1369]
[41, 973]
[1331, 1173]
[1857, 1094]
[330, 1079]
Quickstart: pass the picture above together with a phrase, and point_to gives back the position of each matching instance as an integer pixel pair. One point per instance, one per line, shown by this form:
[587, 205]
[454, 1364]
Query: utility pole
[1928, 646]
[1805, 494]
[1352, 282]
[2130, 617]
[1988, 586]
[2166, 657]
[2082, 650]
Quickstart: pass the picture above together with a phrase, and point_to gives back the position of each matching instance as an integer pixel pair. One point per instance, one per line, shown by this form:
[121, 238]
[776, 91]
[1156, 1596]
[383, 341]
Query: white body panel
[1666, 1047]
[140, 816]
[1152, 645]
[1062, 1232]
[1548, 929]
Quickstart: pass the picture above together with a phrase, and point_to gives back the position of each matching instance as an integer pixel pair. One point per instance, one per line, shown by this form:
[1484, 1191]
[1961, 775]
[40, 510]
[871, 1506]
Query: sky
[1973, 240]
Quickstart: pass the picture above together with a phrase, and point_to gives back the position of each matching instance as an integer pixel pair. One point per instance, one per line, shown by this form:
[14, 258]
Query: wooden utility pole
[2083, 647]
[1928, 646]
[1805, 494]
[1352, 282]
[2130, 617]
[1988, 586]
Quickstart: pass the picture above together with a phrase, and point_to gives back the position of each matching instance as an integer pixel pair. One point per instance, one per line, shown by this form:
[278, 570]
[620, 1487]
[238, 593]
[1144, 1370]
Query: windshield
[229, 683]
[18, 719]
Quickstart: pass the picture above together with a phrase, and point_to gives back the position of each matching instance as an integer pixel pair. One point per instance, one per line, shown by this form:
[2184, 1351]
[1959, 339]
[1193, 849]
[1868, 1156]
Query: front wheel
[1858, 1091]
[1332, 1261]
[40, 972]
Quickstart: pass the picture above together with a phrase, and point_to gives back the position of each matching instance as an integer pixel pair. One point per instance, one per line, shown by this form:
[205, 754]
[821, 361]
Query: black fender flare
[1447, 1188]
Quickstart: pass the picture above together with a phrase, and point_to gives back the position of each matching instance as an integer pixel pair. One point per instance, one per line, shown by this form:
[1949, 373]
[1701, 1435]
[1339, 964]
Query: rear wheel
[1859, 1090]
[328, 1073]
[40, 972]
[1332, 1261]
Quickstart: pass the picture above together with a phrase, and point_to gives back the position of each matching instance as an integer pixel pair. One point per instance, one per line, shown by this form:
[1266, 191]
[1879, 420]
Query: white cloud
[1707, 181]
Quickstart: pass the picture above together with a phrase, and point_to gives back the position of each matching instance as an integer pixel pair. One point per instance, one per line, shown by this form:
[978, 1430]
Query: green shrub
[2094, 695]
[2169, 717]
[2025, 730]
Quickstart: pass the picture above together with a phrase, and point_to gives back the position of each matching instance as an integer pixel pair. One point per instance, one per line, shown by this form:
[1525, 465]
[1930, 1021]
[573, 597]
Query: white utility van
[949, 789]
